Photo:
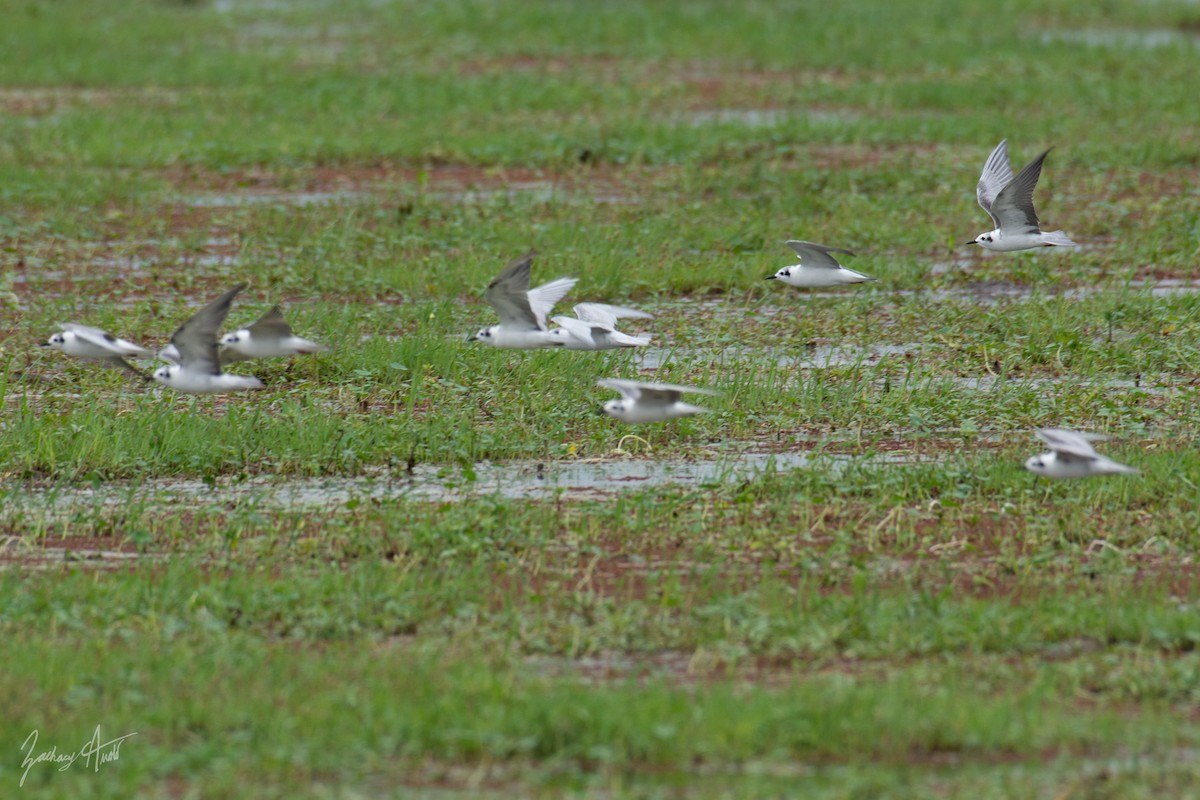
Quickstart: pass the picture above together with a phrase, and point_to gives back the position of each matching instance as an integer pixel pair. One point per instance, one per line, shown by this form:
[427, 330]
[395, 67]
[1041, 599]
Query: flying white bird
[649, 402]
[81, 341]
[522, 310]
[1072, 456]
[1009, 202]
[817, 268]
[269, 337]
[199, 367]
[594, 327]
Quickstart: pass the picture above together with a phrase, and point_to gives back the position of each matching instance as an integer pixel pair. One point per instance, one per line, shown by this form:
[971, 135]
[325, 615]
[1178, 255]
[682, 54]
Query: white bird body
[195, 342]
[522, 310]
[649, 402]
[248, 346]
[195, 382]
[508, 339]
[269, 337]
[1008, 200]
[81, 341]
[1072, 456]
[594, 327]
[84, 342]
[817, 269]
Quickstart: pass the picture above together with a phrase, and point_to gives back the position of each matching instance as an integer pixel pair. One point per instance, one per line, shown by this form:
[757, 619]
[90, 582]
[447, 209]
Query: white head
[616, 408]
[237, 337]
[1039, 465]
[484, 335]
[782, 274]
[59, 340]
[164, 374]
[983, 239]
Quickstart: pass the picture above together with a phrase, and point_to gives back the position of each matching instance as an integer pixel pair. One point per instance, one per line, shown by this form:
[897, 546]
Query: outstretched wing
[542, 299]
[196, 339]
[812, 254]
[650, 392]
[1012, 209]
[997, 173]
[508, 293]
[1069, 443]
[606, 314]
[271, 325]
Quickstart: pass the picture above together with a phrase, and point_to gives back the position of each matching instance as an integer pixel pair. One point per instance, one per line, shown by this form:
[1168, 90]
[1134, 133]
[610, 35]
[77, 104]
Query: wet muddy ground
[567, 480]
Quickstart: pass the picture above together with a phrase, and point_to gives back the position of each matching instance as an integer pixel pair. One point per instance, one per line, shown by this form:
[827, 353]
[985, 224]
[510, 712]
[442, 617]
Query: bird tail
[1057, 238]
[687, 409]
[1113, 467]
[625, 340]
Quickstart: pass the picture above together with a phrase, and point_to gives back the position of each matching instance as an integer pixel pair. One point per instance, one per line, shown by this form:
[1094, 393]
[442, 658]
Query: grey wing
[658, 391]
[631, 389]
[812, 254]
[606, 314]
[1013, 207]
[94, 335]
[271, 325]
[508, 293]
[1067, 443]
[997, 173]
[196, 339]
[638, 392]
[675, 387]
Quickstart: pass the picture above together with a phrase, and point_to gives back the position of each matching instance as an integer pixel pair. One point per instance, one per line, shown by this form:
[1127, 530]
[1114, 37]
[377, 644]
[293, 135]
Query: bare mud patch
[388, 185]
[56, 552]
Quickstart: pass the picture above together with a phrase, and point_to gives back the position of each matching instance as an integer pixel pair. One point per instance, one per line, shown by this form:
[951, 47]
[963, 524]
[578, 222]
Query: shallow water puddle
[1131, 38]
[988, 383]
[766, 117]
[298, 199]
[819, 356]
[523, 480]
[28, 556]
[991, 292]
[523, 191]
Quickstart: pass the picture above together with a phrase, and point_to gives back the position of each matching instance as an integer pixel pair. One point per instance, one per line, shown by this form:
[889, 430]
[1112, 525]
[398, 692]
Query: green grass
[906, 614]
